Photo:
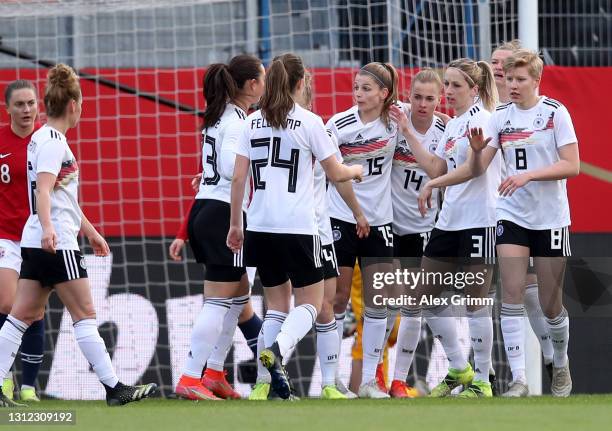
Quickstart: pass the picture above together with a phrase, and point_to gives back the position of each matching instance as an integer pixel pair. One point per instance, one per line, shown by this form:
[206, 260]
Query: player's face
[457, 91]
[368, 94]
[23, 108]
[497, 63]
[521, 85]
[424, 98]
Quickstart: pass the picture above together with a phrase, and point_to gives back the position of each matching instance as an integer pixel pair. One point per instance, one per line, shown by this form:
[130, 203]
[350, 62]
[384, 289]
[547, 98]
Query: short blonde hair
[512, 45]
[427, 75]
[525, 58]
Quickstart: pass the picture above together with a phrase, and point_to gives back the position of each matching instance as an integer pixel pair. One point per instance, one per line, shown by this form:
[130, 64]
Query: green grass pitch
[577, 413]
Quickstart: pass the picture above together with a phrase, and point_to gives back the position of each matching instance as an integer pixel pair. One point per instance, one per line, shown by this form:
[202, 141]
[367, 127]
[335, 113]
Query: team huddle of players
[303, 201]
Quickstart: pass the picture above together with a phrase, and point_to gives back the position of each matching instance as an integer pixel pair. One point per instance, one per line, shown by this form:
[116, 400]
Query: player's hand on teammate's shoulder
[175, 249]
[99, 245]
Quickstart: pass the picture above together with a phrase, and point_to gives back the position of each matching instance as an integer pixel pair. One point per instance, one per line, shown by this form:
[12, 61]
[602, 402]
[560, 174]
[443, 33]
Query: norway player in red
[540, 151]
[22, 107]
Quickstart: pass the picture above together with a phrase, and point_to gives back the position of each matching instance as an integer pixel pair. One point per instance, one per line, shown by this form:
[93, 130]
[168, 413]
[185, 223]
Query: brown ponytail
[281, 80]
[224, 82]
[62, 87]
[385, 76]
[479, 74]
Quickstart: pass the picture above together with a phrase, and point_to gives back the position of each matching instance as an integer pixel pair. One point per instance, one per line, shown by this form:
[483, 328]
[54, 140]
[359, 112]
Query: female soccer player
[22, 107]
[534, 311]
[278, 145]
[465, 227]
[411, 231]
[367, 138]
[540, 150]
[49, 246]
[229, 91]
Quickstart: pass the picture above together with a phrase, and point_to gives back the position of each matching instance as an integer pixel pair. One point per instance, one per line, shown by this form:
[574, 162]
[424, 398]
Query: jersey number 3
[212, 161]
[275, 161]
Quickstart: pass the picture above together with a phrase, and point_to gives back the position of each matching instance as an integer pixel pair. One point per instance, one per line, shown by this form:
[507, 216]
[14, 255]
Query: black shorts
[50, 269]
[379, 244]
[541, 243]
[468, 246]
[411, 245]
[330, 263]
[208, 226]
[283, 256]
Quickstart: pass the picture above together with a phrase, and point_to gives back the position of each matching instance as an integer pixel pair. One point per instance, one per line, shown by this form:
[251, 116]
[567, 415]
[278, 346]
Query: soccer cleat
[478, 389]
[216, 382]
[28, 395]
[516, 389]
[401, 389]
[346, 391]
[260, 391]
[380, 378]
[453, 379]
[124, 394]
[8, 387]
[191, 388]
[7, 402]
[371, 390]
[330, 392]
[272, 360]
[561, 385]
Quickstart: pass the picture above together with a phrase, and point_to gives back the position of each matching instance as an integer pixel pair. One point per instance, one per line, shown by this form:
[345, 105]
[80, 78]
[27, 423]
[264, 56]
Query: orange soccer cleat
[216, 382]
[400, 389]
[192, 388]
[380, 378]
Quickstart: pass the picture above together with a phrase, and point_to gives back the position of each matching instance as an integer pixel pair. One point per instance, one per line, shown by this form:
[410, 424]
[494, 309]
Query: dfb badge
[336, 234]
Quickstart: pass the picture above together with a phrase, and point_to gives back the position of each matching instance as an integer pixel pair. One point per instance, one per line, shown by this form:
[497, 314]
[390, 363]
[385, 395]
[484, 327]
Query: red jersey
[14, 203]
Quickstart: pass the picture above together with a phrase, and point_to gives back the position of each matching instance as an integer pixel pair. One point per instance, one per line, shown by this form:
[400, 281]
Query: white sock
[297, 324]
[205, 333]
[443, 326]
[538, 322]
[374, 326]
[407, 341]
[559, 335]
[216, 361]
[263, 375]
[272, 323]
[340, 328]
[481, 334]
[513, 329]
[327, 349]
[10, 340]
[94, 350]
[392, 313]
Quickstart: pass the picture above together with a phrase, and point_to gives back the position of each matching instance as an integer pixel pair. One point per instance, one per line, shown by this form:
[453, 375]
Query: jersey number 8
[5, 174]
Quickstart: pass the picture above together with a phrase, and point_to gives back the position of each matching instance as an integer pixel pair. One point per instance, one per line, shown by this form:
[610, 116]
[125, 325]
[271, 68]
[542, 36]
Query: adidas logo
[359, 136]
[507, 123]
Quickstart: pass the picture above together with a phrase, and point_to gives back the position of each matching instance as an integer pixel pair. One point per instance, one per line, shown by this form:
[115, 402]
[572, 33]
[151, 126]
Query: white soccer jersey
[321, 199]
[282, 169]
[371, 145]
[408, 179]
[48, 151]
[530, 139]
[470, 204]
[219, 155]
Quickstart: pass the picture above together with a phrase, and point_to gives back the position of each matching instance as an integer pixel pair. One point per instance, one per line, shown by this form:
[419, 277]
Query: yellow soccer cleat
[28, 395]
[260, 392]
[330, 392]
[8, 387]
